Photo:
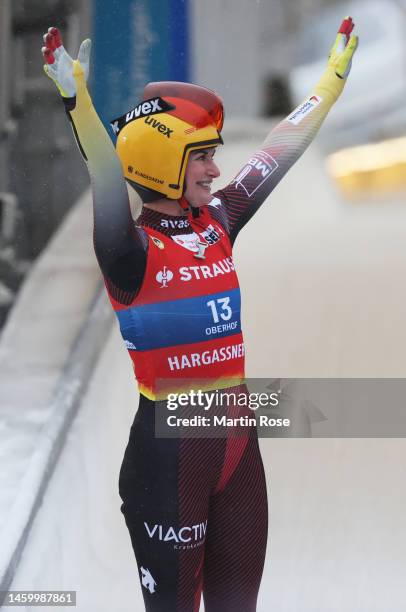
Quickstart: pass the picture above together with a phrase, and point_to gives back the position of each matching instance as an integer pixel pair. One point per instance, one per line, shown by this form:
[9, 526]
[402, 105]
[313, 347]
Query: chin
[202, 200]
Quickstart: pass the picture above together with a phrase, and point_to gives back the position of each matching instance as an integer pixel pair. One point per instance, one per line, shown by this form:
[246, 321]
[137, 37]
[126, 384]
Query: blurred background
[326, 300]
[262, 57]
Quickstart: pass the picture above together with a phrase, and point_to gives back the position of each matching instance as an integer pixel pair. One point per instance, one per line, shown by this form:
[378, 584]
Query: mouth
[205, 185]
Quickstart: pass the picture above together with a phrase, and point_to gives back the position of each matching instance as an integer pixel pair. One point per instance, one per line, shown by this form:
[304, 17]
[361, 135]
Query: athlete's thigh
[165, 486]
[236, 538]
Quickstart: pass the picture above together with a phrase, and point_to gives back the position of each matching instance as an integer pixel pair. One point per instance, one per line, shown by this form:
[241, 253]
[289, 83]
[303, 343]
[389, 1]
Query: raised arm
[119, 246]
[290, 138]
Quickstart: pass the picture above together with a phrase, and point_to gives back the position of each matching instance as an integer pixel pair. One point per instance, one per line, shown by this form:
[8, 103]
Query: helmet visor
[188, 100]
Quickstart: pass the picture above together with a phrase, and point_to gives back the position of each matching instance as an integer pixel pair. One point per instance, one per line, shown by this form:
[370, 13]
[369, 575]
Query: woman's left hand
[345, 45]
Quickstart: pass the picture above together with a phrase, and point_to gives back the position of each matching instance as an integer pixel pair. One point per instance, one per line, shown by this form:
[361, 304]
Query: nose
[213, 169]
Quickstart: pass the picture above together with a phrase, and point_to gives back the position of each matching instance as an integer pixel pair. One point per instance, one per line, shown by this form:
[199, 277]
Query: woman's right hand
[59, 64]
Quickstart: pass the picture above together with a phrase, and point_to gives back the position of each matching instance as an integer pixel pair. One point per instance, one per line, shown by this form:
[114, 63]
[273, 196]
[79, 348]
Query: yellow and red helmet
[155, 138]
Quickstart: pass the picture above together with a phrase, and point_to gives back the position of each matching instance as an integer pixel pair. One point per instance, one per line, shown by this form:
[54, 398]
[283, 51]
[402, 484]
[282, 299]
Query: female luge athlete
[196, 509]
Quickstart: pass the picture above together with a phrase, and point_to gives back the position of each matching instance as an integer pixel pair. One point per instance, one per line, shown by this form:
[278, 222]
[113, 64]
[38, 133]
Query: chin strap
[188, 208]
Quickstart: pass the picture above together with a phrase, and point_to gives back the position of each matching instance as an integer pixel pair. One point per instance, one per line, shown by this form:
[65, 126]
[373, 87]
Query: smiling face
[200, 172]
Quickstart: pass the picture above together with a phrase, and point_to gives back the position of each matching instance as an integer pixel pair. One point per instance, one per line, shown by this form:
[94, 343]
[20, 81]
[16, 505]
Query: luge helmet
[155, 138]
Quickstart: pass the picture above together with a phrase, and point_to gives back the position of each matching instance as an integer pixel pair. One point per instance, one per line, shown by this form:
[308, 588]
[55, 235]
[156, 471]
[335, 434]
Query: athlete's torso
[184, 323]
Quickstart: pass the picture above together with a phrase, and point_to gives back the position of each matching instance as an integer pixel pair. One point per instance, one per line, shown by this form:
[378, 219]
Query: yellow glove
[339, 62]
[345, 45]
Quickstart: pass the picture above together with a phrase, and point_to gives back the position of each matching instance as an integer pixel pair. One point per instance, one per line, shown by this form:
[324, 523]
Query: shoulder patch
[158, 242]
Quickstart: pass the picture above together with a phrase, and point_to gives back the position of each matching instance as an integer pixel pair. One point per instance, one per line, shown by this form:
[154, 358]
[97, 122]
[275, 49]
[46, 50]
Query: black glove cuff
[69, 103]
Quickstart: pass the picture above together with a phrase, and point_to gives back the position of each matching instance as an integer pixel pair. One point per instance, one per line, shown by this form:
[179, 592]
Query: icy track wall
[48, 348]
